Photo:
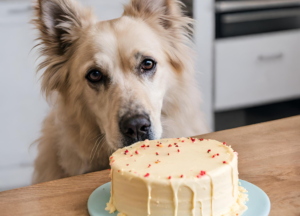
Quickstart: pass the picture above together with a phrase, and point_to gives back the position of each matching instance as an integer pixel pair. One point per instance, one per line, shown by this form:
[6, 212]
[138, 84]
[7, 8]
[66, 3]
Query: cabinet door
[22, 108]
[257, 69]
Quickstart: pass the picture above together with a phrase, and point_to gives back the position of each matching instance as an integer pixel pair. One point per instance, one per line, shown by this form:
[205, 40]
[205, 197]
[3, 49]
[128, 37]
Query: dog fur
[82, 129]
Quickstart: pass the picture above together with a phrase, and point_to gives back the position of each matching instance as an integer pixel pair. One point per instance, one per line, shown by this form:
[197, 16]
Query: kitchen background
[248, 59]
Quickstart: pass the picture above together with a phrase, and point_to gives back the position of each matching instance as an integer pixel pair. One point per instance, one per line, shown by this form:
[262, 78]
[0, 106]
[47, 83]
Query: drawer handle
[270, 57]
[258, 16]
[21, 10]
[226, 6]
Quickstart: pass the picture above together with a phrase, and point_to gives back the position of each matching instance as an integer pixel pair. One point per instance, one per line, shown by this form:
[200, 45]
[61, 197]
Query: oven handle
[257, 16]
[228, 6]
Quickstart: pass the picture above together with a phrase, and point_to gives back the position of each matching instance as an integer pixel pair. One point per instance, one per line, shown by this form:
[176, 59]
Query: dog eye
[94, 76]
[147, 65]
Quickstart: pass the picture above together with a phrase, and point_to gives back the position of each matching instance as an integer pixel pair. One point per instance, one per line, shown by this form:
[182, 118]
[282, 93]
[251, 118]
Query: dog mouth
[135, 128]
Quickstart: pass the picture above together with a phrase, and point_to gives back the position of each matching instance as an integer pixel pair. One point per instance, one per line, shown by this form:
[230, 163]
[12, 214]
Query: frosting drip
[194, 203]
[212, 194]
[149, 199]
[232, 177]
[175, 188]
[201, 207]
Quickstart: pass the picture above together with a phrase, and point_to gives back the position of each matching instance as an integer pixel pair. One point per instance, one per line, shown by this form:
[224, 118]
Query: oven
[247, 17]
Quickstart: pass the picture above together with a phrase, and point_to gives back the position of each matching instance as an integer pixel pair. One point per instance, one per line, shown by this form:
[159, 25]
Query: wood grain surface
[269, 157]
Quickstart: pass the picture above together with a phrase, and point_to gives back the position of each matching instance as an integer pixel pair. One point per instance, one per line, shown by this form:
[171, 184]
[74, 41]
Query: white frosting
[174, 177]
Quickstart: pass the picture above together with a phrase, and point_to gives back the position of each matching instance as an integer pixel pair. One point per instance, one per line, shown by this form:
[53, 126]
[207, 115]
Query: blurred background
[248, 59]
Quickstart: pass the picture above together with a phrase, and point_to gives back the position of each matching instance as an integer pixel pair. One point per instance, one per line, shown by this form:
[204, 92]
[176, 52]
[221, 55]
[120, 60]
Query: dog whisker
[99, 142]
[94, 147]
[99, 137]
[96, 137]
[94, 152]
[100, 148]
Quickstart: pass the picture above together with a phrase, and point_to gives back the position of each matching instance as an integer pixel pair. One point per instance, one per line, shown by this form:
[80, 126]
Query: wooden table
[269, 157]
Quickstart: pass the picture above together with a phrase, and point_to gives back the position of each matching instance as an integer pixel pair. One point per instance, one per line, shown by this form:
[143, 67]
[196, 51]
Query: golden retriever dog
[113, 82]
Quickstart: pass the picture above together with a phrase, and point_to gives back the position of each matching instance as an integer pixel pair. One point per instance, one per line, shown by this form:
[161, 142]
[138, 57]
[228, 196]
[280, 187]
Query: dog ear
[167, 17]
[166, 11]
[59, 23]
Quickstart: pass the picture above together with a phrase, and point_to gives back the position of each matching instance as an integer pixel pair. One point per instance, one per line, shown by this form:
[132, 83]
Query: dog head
[114, 72]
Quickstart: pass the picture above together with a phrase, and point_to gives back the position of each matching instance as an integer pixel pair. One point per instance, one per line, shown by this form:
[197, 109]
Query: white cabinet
[257, 69]
[22, 108]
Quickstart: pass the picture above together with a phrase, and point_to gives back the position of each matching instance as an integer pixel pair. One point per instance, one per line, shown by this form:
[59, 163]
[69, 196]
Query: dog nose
[136, 127]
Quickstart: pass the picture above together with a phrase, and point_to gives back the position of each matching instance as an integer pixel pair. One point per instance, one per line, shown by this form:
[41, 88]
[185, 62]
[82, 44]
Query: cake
[176, 177]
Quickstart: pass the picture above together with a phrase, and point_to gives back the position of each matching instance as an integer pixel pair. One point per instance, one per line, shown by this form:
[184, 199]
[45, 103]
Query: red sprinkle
[168, 153]
[111, 157]
[193, 140]
[136, 152]
[201, 139]
[224, 162]
[169, 177]
[143, 146]
[127, 164]
[147, 175]
[149, 166]
[203, 172]
[198, 176]
[182, 141]
[126, 151]
[157, 145]
[208, 150]
[218, 154]
[148, 146]
[156, 153]
[178, 150]
[109, 169]
[224, 143]
[213, 156]
[170, 145]
[175, 143]
[181, 176]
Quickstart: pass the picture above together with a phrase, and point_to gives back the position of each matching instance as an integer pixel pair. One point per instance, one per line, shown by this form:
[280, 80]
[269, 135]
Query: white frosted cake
[176, 177]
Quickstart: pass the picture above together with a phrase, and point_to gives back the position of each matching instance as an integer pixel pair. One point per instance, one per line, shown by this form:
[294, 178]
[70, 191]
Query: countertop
[269, 157]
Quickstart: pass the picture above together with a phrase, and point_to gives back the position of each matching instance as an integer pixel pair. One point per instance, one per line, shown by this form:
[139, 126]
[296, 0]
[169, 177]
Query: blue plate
[258, 204]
